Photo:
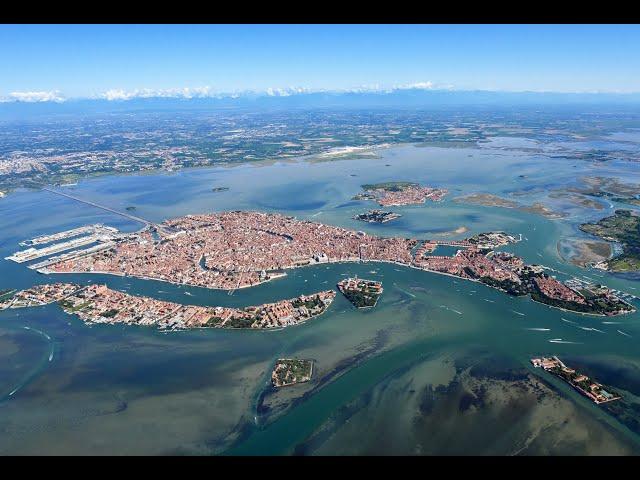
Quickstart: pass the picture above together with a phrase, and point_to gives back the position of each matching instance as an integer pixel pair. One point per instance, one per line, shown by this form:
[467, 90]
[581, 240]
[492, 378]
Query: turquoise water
[128, 390]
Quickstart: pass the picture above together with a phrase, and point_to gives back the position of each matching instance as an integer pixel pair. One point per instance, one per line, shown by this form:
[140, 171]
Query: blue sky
[81, 61]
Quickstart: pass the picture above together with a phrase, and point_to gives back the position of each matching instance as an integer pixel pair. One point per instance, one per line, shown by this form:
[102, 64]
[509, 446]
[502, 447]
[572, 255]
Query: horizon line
[195, 93]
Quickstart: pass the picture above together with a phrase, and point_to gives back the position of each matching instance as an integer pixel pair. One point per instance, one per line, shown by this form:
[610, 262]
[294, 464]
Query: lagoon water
[437, 358]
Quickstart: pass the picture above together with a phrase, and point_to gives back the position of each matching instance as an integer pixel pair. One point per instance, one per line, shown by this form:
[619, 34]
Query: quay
[33, 254]
[97, 228]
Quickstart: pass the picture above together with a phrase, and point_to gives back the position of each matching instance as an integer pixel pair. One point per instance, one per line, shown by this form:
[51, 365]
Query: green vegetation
[632, 200]
[213, 321]
[538, 296]
[361, 299]
[512, 288]
[289, 371]
[309, 303]
[110, 313]
[363, 196]
[612, 189]
[240, 322]
[6, 294]
[365, 295]
[587, 386]
[597, 303]
[389, 186]
[622, 227]
[68, 306]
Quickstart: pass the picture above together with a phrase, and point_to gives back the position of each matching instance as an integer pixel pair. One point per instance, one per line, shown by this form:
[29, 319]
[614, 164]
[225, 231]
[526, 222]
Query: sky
[49, 62]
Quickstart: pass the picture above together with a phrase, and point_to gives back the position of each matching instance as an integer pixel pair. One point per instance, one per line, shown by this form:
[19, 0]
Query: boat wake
[536, 329]
[559, 340]
[451, 309]
[404, 291]
[591, 329]
[624, 333]
[38, 331]
[519, 313]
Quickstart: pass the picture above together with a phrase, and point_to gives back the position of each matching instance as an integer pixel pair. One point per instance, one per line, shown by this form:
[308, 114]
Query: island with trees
[289, 371]
[360, 292]
[622, 227]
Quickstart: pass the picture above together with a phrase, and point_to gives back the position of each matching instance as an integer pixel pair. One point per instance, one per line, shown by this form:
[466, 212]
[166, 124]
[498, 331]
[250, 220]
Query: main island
[240, 249]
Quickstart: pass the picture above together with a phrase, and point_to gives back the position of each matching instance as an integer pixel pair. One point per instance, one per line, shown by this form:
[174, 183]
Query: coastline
[315, 157]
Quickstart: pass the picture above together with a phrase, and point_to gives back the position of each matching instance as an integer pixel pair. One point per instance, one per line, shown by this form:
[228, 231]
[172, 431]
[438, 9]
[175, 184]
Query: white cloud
[416, 86]
[377, 88]
[285, 92]
[115, 94]
[31, 97]
[120, 94]
[423, 86]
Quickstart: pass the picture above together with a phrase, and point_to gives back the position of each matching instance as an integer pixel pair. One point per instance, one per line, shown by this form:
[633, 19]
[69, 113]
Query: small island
[611, 189]
[400, 193]
[377, 216]
[622, 227]
[491, 200]
[360, 292]
[219, 189]
[130, 208]
[491, 240]
[591, 389]
[486, 200]
[289, 371]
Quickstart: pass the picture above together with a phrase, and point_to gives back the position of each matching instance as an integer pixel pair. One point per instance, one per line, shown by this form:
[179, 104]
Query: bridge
[111, 210]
